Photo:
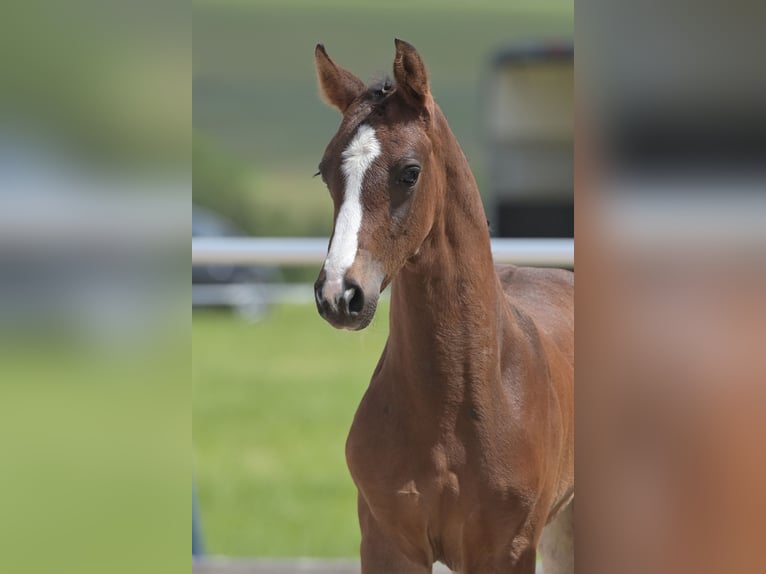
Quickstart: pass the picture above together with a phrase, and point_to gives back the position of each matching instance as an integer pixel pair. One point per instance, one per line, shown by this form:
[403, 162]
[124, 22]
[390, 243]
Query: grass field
[272, 404]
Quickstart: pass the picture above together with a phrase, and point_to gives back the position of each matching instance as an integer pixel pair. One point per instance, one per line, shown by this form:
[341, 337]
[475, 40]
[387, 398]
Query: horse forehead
[392, 137]
[340, 142]
[363, 145]
[353, 141]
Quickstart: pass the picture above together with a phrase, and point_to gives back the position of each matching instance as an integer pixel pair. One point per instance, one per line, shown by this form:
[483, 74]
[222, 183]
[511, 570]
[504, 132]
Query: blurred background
[275, 387]
[96, 143]
[670, 308]
[95, 193]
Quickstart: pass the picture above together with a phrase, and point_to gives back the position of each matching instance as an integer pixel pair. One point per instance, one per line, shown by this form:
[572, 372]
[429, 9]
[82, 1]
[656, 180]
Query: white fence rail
[310, 251]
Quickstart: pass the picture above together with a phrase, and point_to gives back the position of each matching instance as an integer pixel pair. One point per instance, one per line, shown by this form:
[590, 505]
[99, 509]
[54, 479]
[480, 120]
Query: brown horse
[462, 447]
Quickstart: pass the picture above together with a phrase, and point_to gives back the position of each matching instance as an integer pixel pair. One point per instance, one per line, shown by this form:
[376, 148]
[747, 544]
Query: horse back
[546, 296]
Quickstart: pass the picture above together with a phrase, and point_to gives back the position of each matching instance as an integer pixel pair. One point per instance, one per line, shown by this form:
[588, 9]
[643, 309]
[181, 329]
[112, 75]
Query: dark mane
[381, 89]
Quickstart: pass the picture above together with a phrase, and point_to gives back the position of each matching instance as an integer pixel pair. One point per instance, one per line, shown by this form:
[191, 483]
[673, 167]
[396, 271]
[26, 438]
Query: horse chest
[393, 455]
[430, 499]
[408, 486]
[414, 481]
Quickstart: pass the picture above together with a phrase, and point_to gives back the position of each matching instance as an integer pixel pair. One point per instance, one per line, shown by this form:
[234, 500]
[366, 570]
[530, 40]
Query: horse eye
[410, 175]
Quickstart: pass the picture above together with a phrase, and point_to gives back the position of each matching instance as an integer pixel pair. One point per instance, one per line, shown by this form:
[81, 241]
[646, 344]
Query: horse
[462, 448]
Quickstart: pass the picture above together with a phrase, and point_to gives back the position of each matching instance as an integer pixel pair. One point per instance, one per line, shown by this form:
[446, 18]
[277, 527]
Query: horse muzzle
[344, 303]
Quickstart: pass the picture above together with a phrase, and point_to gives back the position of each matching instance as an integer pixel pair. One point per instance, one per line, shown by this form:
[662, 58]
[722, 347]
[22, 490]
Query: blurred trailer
[530, 127]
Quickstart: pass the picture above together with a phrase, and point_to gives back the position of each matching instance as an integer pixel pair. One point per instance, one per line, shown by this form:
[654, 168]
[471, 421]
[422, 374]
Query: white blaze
[357, 159]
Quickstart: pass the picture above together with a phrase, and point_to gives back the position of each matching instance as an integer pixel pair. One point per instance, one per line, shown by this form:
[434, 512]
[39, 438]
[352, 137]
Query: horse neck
[446, 302]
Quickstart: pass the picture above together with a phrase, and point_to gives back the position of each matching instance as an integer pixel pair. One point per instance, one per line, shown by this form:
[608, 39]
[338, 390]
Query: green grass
[272, 404]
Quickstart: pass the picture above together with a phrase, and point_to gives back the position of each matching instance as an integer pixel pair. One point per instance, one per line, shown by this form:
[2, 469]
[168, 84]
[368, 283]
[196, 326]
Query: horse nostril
[354, 298]
[319, 298]
[357, 302]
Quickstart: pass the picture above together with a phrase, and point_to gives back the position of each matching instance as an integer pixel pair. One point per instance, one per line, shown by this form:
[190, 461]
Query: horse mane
[380, 89]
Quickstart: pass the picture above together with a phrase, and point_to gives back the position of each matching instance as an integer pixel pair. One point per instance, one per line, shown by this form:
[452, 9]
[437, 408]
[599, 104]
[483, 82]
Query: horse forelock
[380, 90]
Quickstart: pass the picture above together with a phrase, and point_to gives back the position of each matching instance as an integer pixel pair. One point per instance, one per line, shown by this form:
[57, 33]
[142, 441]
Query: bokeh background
[95, 150]
[95, 189]
[273, 399]
[259, 126]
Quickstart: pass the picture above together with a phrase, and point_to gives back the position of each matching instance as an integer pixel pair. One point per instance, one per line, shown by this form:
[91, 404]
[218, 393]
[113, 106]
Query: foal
[462, 448]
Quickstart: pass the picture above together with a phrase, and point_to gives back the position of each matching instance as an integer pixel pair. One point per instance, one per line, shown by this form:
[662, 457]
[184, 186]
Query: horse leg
[557, 543]
[380, 555]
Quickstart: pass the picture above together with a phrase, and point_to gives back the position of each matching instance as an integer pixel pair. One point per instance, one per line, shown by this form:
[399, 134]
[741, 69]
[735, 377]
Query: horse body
[462, 447]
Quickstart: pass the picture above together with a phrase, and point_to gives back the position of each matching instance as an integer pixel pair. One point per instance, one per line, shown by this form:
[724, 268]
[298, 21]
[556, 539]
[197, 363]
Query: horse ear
[337, 86]
[411, 76]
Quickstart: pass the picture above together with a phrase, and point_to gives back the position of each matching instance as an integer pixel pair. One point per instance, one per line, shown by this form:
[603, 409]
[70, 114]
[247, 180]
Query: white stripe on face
[357, 159]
